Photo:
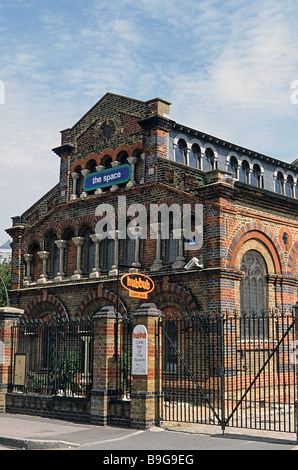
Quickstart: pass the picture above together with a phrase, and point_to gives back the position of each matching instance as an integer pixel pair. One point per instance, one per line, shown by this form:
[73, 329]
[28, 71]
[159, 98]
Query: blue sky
[226, 67]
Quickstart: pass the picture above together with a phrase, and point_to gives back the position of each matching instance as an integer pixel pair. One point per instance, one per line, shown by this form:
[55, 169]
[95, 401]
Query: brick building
[247, 258]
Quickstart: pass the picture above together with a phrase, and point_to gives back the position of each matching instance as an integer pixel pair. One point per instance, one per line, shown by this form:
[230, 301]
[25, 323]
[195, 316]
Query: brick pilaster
[104, 365]
[144, 396]
[8, 316]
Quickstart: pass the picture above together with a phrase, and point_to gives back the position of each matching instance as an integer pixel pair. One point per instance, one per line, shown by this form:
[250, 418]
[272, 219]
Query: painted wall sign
[138, 285]
[105, 178]
[140, 350]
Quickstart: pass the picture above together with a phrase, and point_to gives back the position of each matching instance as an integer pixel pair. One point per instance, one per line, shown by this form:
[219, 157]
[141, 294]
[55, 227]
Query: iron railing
[124, 358]
[230, 370]
[58, 355]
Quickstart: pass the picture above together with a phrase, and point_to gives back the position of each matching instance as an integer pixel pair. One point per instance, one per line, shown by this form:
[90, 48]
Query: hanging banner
[105, 178]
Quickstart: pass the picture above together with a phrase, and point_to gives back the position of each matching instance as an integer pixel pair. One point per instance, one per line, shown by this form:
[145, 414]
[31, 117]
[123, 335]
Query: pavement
[37, 433]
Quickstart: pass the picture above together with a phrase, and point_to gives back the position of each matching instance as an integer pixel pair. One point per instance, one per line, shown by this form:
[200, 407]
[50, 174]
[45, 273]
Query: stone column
[28, 260]
[96, 270]
[144, 392]
[104, 365]
[115, 187]
[84, 173]
[132, 161]
[136, 233]
[78, 241]
[157, 263]
[99, 168]
[61, 244]
[180, 260]
[44, 255]
[8, 316]
[75, 176]
[115, 234]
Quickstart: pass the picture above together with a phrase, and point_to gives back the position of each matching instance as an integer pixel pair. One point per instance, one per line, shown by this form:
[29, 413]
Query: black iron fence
[230, 370]
[55, 357]
[227, 369]
[124, 357]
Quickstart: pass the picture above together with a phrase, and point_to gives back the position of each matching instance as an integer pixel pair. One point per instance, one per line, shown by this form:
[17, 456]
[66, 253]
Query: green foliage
[5, 274]
[35, 381]
[68, 367]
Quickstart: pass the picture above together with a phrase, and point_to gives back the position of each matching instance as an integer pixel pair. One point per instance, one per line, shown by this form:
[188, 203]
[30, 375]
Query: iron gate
[228, 369]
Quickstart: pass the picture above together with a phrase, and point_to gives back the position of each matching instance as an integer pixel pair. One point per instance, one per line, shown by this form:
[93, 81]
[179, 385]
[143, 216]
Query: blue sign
[105, 178]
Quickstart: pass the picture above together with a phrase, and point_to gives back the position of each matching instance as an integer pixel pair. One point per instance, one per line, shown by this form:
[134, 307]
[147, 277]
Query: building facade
[219, 227]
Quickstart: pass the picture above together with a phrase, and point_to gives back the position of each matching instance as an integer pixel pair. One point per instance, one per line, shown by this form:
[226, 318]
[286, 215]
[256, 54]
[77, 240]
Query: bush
[5, 274]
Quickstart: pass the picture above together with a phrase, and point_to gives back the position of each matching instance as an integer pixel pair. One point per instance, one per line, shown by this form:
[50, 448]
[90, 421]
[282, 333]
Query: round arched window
[254, 283]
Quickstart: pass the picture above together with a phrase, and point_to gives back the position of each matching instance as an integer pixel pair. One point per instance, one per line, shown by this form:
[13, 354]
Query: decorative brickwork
[43, 300]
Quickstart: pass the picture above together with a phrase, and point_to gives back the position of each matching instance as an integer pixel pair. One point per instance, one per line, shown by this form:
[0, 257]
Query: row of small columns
[75, 176]
[95, 273]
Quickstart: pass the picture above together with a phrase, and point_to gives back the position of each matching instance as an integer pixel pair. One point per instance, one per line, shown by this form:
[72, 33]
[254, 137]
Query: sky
[227, 67]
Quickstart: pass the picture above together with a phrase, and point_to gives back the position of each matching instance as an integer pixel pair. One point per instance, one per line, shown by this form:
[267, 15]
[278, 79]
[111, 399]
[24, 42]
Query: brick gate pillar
[104, 365]
[144, 392]
[8, 316]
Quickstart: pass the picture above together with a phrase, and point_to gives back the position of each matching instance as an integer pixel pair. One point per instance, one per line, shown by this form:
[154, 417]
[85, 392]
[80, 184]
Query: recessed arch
[42, 303]
[263, 237]
[104, 294]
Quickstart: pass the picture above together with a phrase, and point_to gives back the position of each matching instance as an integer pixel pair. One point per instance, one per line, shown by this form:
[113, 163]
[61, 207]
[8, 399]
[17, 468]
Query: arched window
[107, 161]
[54, 256]
[244, 171]
[122, 157]
[181, 152]
[91, 166]
[195, 156]
[279, 183]
[289, 187]
[210, 159]
[233, 166]
[256, 176]
[108, 253]
[70, 252]
[88, 252]
[254, 283]
[77, 181]
[36, 263]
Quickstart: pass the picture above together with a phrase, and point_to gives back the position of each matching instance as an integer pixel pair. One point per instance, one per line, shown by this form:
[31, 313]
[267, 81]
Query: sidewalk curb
[30, 444]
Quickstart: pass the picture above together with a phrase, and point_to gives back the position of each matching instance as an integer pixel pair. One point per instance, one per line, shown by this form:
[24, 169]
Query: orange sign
[138, 285]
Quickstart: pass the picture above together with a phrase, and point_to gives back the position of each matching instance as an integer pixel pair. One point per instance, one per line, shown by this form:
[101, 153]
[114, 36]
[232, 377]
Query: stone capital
[61, 244]
[43, 254]
[78, 241]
